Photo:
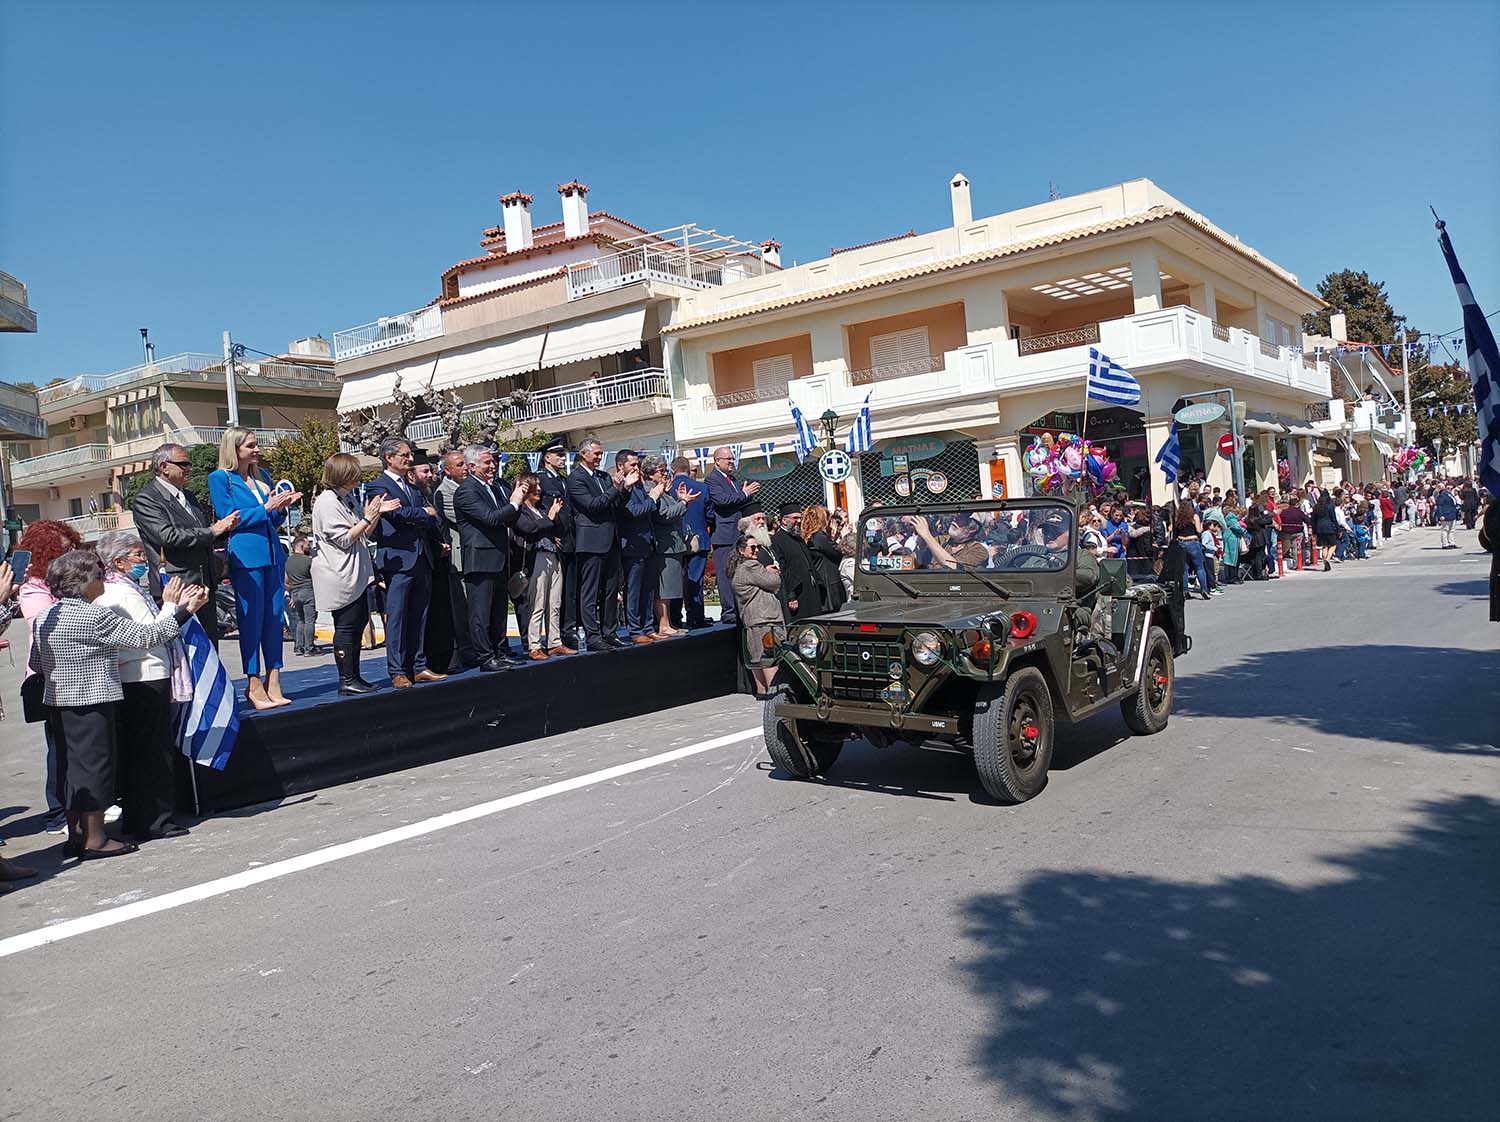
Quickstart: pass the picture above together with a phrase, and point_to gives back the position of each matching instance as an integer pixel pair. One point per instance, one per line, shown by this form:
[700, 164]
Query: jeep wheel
[1147, 710]
[813, 757]
[1013, 734]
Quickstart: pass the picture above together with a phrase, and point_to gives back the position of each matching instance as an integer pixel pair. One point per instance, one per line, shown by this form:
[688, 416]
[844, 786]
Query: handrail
[929, 365]
[186, 362]
[388, 331]
[560, 401]
[1073, 337]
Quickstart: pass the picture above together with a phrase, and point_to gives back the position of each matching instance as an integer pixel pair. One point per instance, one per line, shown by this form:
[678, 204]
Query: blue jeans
[1192, 555]
[640, 596]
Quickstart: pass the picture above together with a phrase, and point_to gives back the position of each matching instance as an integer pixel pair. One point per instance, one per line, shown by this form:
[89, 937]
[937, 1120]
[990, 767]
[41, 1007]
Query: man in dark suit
[448, 645]
[800, 596]
[596, 500]
[689, 610]
[732, 501]
[554, 479]
[177, 532]
[401, 546]
[637, 547]
[484, 517]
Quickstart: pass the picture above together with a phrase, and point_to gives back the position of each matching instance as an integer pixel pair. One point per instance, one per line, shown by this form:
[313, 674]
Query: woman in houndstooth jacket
[74, 647]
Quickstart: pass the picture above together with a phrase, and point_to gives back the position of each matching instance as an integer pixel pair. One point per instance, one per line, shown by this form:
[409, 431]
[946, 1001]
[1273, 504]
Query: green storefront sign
[897, 456]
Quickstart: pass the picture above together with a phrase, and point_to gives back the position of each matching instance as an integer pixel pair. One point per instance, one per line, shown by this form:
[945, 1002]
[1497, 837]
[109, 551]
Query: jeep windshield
[985, 539]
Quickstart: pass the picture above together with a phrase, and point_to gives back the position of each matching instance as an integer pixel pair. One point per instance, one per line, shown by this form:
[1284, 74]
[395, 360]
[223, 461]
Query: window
[106, 500]
[899, 347]
[19, 452]
[1278, 333]
[249, 418]
[27, 512]
[772, 375]
[75, 508]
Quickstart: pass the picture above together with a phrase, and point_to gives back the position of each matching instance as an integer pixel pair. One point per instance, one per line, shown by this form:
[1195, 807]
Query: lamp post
[830, 422]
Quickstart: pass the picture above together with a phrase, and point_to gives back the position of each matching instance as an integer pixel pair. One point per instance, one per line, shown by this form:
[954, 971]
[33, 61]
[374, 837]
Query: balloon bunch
[1409, 458]
[1284, 473]
[1063, 463]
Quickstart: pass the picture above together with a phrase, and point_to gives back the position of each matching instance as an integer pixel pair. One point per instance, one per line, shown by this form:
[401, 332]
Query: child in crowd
[1213, 549]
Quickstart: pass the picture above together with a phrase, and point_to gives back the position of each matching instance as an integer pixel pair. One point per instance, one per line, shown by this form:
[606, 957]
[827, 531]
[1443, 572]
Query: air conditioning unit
[76, 423]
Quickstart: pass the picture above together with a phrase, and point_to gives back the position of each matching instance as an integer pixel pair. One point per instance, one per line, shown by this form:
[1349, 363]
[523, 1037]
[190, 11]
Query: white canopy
[604, 334]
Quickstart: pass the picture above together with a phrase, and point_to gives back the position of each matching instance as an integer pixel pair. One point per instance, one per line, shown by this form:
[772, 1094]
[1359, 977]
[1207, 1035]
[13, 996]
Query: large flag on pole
[1484, 370]
[805, 441]
[209, 723]
[1111, 382]
[861, 436]
[1170, 456]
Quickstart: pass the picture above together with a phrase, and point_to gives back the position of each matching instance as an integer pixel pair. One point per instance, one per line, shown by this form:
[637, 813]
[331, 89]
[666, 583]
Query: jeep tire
[1014, 732]
[1146, 711]
[804, 761]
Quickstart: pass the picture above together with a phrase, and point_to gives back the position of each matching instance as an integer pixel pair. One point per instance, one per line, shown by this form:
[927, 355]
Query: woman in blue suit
[257, 560]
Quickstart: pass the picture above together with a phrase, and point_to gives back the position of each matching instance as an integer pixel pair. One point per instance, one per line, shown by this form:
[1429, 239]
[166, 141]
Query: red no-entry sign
[1226, 445]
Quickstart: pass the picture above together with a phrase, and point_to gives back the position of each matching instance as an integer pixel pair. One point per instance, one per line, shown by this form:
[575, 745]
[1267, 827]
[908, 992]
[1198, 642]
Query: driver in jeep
[962, 546]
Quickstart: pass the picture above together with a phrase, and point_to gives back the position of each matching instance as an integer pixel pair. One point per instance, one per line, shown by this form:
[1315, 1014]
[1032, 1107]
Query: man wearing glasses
[177, 532]
[402, 558]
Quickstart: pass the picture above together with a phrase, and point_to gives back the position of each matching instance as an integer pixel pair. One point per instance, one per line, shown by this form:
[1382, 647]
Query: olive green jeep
[975, 626]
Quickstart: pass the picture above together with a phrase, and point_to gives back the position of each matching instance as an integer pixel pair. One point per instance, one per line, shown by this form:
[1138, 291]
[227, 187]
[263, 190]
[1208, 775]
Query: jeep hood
[952, 613]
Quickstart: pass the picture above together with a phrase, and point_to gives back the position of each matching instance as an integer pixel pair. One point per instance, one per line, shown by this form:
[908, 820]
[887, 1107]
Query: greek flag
[767, 447]
[504, 458]
[534, 461]
[861, 436]
[207, 725]
[701, 455]
[1484, 369]
[805, 441]
[572, 459]
[735, 450]
[1170, 456]
[1111, 382]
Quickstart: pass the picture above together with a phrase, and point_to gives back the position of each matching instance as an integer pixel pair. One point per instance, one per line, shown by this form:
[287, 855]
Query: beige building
[102, 428]
[569, 311]
[970, 339]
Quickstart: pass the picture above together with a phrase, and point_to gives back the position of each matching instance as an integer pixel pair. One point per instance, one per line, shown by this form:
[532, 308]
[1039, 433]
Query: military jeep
[974, 627]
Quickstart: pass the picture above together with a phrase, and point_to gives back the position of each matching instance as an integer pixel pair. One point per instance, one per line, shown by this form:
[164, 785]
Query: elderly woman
[143, 719]
[668, 563]
[47, 541]
[75, 647]
[757, 591]
[257, 559]
[341, 567]
[9, 870]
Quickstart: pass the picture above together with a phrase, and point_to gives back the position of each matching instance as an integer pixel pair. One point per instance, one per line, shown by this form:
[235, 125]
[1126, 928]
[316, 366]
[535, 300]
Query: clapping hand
[658, 489]
[193, 597]
[172, 593]
[225, 524]
[752, 488]
[280, 500]
[632, 477]
[686, 496]
[554, 510]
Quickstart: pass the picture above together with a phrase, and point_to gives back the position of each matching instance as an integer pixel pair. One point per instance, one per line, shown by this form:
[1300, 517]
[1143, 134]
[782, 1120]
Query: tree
[300, 458]
[1363, 301]
[205, 458]
[1436, 388]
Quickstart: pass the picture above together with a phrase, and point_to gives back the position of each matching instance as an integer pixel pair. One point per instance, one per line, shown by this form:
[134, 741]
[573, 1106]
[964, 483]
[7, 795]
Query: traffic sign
[1199, 413]
[835, 465]
[1227, 445]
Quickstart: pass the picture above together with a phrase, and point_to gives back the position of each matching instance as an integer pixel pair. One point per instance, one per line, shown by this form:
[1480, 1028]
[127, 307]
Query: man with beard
[800, 596]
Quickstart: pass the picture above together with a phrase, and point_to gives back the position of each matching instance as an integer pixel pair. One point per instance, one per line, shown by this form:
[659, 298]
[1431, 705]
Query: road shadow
[1476, 588]
[1366, 997]
[1440, 698]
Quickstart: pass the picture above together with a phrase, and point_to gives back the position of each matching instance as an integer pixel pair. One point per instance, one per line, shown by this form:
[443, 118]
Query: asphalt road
[1285, 906]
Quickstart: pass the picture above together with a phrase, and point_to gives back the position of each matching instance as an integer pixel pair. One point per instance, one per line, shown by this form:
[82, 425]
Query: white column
[1145, 272]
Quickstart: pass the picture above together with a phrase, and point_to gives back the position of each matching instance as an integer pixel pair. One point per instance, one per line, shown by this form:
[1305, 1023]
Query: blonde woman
[257, 559]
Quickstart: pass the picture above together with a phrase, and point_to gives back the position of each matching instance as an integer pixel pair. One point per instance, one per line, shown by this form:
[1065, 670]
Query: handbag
[32, 707]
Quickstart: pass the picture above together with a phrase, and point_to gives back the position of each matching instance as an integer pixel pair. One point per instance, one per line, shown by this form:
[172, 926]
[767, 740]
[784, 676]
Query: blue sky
[286, 169]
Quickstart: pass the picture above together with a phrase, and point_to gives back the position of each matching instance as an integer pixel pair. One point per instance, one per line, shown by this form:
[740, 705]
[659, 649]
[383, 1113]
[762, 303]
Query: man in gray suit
[449, 645]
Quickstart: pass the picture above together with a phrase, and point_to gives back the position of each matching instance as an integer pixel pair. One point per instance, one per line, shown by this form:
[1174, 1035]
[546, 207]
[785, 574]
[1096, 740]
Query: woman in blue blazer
[257, 560]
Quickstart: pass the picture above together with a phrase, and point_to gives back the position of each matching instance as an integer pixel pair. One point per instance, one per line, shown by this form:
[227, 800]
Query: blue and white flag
[1111, 382]
[805, 440]
[502, 459]
[1484, 370]
[701, 455]
[208, 724]
[572, 459]
[735, 450]
[767, 448]
[861, 436]
[1170, 456]
[534, 461]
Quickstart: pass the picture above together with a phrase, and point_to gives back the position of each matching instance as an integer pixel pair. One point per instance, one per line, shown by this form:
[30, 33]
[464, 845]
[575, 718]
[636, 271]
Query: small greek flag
[767, 447]
[861, 436]
[701, 455]
[504, 458]
[1385, 350]
[1111, 382]
[735, 450]
[572, 459]
[1364, 349]
[1170, 456]
[805, 440]
[534, 461]
[1317, 354]
[208, 725]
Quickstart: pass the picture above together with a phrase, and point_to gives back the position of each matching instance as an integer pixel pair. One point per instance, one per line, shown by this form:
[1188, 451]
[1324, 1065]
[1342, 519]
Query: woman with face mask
[143, 719]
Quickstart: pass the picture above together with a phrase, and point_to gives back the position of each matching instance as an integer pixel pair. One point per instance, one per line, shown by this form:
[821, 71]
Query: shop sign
[835, 465]
[935, 482]
[1199, 413]
[917, 448]
[758, 470]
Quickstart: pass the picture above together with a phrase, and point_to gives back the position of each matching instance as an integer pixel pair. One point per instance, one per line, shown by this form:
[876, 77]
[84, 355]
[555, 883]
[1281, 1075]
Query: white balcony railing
[890, 370]
[82, 456]
[92, 383]
[563, 401]
[635, 265]
[388, 331]
[69, 460]
[90, 524]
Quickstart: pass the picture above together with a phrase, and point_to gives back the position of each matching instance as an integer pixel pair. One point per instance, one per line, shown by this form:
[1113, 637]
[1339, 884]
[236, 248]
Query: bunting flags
[572, 459]
[502, 458]
[209, 723]
[1484, 370]
[767, 447]
[861, 436]
[701, 455]
[534, 461]
[735, 450]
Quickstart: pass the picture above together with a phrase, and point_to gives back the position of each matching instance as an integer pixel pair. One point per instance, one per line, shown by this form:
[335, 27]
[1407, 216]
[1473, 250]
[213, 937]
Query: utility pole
[1406, 389]
[234, 401]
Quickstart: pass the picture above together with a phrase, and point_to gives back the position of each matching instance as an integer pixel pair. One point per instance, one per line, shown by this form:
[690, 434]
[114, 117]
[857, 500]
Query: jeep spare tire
[1146, 711]
[1013, 736]
[814, 756]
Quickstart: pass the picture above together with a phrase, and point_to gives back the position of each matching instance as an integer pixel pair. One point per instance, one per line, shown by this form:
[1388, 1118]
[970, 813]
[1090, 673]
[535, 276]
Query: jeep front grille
[861, 667]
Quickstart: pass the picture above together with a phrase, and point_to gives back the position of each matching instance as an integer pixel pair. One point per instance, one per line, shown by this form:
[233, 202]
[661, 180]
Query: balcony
[571, 400]
[92, 525]
[16, 313]
[930, 365]
[388, 331]
[93, 383]
[66, 461]
[1075, 337]
[687, 256]
[76, 462]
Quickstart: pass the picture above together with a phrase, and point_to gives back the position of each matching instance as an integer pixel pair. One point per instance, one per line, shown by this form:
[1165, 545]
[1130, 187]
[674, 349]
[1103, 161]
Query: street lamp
[830, 422]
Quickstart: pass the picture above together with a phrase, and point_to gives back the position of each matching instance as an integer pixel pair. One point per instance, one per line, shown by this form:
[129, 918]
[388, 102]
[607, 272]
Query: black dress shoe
[495, 664]
[357, 685]
[598, 648]
[616, 642]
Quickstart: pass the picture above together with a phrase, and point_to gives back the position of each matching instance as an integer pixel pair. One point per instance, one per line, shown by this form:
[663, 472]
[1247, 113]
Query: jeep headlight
[809, 643]
[926, 648]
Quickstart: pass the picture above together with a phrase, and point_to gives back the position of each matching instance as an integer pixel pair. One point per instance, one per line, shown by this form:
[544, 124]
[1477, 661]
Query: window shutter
[772, 374]
[899, 347]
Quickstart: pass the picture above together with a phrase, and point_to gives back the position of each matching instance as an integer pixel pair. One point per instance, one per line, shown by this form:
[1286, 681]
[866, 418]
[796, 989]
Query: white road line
[108, 918]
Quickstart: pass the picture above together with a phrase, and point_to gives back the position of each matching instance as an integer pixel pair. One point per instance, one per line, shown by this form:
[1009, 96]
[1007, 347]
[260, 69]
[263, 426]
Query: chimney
[1338, 326]
[516, 209]
[575, 204]
[963, 212]
[770, 252]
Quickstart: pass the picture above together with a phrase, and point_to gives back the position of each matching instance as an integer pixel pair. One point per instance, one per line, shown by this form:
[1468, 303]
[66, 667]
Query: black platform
[323, 739]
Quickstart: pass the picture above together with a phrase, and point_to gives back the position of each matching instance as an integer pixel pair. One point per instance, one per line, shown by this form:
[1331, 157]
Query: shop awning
[1302, 430]
[605, 334]
[1349, 448]
[503, 358]
[1253, 425]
